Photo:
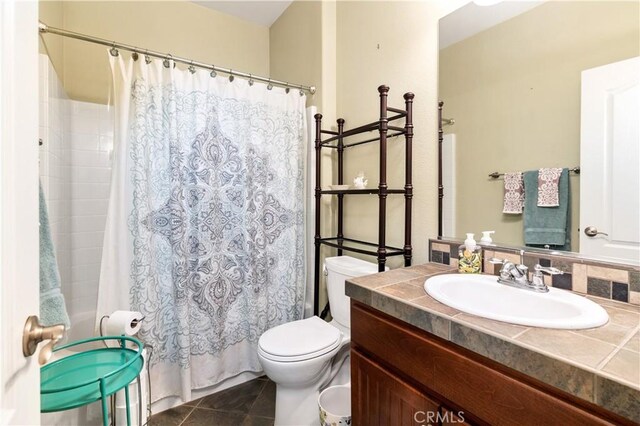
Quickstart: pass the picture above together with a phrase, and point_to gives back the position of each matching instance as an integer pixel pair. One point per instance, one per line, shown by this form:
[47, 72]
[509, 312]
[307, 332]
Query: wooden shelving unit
[338, 140]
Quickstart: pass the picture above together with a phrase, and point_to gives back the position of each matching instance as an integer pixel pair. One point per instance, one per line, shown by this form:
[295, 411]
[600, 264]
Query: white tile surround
[89, 135]
[75, 170]
[54, 170]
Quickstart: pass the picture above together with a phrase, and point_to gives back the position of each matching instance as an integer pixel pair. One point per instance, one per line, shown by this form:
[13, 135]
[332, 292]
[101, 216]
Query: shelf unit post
[316, 273]
[382, 186]
[337, 140]
[408, 183]
[340, 182]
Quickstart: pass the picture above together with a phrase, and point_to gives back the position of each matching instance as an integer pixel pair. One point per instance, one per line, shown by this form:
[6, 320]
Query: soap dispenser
[469, 256]
[486, 237]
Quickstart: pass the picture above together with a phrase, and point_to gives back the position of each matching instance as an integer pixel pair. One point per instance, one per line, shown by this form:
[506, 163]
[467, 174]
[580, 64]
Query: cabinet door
[379, 398]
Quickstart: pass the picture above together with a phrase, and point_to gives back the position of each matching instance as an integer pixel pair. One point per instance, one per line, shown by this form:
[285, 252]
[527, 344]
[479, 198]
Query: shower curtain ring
[192, 69]
[166, 62]
[113, 51]
[147, 58]
[250, 80]
[269, 86]
[231, 77]
[287, 89]
[213, 71]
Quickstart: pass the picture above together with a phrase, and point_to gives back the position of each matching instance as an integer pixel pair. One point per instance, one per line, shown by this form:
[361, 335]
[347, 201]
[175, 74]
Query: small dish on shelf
[339, 187]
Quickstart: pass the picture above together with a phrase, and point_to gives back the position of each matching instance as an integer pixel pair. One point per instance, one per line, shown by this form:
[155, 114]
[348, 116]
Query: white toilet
[303, 357]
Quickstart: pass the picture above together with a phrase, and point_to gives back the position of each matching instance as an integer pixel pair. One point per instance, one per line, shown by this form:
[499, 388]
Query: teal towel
[547, 225]
[52, 306]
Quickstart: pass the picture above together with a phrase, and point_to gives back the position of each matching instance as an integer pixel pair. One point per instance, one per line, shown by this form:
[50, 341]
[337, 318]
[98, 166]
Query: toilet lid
[298, 340]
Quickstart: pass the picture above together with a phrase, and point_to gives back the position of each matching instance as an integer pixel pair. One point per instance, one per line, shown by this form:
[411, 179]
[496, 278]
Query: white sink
[482, 295]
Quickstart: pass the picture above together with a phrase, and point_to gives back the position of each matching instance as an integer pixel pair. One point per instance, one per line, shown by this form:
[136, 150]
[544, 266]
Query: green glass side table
[90, 376]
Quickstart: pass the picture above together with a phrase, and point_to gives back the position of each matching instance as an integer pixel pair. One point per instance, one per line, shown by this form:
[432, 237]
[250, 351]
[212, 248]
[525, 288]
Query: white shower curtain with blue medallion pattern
[205, 233]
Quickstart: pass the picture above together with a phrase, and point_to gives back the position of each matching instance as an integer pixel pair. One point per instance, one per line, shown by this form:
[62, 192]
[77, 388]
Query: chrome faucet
[517, 275]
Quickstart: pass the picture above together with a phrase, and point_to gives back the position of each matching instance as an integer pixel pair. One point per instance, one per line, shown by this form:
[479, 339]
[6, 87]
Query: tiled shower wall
[596, 278]
[89, 132]
[75, 170]
[54, 163]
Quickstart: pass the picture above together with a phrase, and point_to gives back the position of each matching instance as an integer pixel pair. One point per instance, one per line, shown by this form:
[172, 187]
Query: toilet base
[298, 406]
[343, 376]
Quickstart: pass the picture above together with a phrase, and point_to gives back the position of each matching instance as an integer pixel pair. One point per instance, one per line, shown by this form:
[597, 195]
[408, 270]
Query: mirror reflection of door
[610, 157]
[510, 76]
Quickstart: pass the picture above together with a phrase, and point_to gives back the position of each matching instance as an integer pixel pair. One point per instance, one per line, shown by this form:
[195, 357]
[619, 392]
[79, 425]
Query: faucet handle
[548, 270]
[496, 261]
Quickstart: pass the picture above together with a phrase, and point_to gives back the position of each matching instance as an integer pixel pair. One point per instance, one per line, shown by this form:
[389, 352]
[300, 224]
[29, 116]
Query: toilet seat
[299, 340]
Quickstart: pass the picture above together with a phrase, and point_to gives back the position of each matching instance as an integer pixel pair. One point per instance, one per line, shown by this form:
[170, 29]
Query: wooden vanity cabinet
[399, 372]
[394, 402]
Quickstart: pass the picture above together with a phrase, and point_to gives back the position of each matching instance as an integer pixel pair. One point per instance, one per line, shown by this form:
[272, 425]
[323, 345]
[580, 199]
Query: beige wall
[514, 91]
[295, 47]
[52, 13]
[352, 69]
[302, 46]
[392, 43]
[179, 27]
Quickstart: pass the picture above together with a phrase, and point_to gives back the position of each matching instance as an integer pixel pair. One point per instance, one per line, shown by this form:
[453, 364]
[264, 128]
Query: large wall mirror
[543, 84]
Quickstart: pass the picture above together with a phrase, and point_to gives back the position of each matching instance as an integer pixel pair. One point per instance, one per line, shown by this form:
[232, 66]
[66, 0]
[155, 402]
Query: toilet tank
[339, 269]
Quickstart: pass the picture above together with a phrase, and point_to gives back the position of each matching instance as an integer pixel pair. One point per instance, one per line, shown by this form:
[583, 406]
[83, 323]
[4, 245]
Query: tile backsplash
[593, 277]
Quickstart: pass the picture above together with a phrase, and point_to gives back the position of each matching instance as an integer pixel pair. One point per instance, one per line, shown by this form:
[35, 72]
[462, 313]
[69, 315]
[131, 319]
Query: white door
[19, 289]
[610, 161]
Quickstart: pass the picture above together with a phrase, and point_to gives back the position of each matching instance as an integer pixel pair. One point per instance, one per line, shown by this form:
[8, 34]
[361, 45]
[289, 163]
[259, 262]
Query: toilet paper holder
[123, 325]
[136, 321]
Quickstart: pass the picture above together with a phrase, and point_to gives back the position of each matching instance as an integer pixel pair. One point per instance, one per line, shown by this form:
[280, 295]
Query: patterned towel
[513, 193]
[548, 187]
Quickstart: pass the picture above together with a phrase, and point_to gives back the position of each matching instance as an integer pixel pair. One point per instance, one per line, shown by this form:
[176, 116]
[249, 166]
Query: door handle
[592, 231]
[34, 333]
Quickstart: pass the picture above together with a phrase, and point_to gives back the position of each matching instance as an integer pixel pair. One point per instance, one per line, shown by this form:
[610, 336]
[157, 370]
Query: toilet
[304, 357]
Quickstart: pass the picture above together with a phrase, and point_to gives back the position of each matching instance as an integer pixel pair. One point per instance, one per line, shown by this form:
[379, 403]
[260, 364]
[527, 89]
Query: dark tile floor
[248, 404]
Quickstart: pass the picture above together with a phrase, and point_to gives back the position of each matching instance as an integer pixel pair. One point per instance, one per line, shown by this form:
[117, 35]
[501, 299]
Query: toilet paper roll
[123, 322]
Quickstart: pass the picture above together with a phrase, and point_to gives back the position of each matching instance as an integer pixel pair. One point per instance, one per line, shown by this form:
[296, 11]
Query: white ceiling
[472, 19]
[457, 26]
[260, 12]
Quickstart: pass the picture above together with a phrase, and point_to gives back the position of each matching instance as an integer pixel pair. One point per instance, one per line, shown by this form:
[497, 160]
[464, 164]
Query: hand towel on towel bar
[548, 187]
[53, 309]
[513, 193]
[547, 225]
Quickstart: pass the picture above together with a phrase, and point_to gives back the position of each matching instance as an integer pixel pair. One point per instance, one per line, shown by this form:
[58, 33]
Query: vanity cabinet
[386, 399]
[399, 372]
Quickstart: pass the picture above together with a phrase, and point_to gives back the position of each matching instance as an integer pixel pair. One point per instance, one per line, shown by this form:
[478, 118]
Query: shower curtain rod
[44, 28]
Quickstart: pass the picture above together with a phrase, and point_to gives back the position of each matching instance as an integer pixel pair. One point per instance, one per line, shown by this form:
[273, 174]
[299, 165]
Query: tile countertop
[600, 365]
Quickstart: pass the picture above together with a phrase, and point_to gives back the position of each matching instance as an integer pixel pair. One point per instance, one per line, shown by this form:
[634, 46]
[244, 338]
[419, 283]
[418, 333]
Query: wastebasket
[335, 405]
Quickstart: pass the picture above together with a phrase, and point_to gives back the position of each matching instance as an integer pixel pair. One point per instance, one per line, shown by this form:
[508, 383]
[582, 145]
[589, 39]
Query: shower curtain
[205, 232]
